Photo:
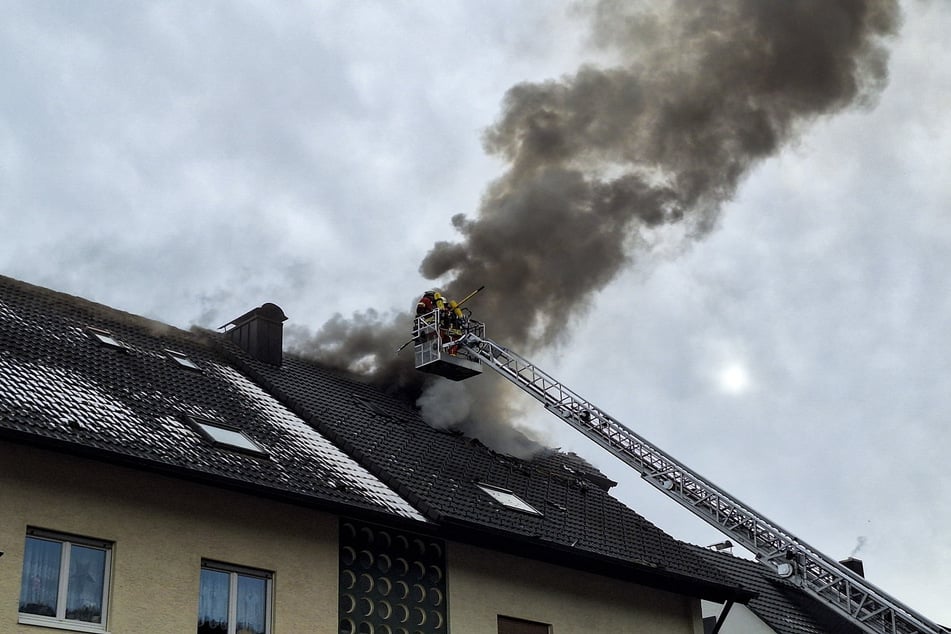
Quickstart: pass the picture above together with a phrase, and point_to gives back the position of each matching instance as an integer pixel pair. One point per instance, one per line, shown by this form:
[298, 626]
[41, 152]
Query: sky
[188, 162]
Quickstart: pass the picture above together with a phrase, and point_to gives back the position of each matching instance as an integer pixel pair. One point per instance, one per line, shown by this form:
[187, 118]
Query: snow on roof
[131, 404]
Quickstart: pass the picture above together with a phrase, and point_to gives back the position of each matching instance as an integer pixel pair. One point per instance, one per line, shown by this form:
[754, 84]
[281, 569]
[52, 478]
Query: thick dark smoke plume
[700, 92]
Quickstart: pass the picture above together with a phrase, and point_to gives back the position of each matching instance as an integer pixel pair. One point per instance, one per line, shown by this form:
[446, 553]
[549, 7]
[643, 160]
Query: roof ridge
[105, 311]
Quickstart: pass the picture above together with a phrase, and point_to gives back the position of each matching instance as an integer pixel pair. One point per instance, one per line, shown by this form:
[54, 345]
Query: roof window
[105, 338]
[182, 359]
[508, 499]
[225, 436]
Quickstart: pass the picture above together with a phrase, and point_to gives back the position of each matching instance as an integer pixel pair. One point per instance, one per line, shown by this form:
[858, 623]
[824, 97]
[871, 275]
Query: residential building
[161, 480]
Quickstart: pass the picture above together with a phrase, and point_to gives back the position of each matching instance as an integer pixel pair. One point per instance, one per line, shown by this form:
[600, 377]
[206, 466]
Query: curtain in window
[40, 581]
[213, 602]
[252, 597]
[87, 568]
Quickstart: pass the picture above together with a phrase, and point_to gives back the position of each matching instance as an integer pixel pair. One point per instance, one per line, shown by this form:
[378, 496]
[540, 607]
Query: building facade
[158, 480]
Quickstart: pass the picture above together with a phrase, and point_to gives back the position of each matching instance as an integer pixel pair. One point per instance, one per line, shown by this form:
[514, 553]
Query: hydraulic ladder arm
[820, 576]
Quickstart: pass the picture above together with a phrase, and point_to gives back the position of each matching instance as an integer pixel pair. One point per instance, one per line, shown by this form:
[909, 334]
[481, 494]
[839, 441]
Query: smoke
[451, 405]
[859, 545]
[700, 93]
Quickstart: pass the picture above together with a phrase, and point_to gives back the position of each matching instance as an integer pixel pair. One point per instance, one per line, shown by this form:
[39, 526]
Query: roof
[439, 472]
[328, 439]
[62, 387]
[786, 608]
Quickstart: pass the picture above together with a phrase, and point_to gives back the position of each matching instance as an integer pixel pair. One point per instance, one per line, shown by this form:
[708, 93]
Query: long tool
[469, 296]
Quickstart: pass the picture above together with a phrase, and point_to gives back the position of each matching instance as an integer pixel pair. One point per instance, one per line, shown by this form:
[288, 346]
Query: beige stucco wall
[484, 584]
[162, 528]
[739, 620]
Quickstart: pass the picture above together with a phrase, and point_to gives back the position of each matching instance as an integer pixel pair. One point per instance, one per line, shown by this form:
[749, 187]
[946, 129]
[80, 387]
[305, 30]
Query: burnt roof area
[300, 432]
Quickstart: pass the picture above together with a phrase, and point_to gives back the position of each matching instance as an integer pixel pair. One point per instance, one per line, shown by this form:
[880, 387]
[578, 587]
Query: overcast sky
[189, 161]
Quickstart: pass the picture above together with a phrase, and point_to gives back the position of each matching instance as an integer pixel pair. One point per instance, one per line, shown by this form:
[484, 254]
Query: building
[153, 479]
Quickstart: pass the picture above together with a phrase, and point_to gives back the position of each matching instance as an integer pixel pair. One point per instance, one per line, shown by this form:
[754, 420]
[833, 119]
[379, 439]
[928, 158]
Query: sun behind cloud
[734, 378]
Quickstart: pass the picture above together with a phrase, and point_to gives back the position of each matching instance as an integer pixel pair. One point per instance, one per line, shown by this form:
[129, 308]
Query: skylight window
[182, 359]
[105, 338]
[224, 436]
[508, 499]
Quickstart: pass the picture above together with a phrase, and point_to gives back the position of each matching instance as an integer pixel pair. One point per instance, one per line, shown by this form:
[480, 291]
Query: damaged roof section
[136, 401]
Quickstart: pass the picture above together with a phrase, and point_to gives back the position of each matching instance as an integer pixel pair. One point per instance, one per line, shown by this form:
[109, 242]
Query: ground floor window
[233, 600]
[510, 625]
[65, 581]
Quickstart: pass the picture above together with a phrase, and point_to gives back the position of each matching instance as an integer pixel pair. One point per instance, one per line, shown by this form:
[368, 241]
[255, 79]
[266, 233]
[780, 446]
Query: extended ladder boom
[822, 577]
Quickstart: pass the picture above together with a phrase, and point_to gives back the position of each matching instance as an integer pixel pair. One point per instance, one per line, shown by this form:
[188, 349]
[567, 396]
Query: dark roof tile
[439, 471]
[58, 383]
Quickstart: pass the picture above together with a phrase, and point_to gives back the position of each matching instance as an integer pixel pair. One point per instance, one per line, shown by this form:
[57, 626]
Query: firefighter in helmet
[450, 316]
[426, 303]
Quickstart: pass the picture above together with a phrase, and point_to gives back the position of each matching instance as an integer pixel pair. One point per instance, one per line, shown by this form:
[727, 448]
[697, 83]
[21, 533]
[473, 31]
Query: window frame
[205, 427]
[182, 360]
[233, 571]
[507, 623]
[66, 542]
[508, 499]
[106, 338]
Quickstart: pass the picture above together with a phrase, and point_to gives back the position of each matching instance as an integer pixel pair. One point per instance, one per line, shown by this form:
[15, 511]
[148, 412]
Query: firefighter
[426, 303]
[452, 322]
[455, 314]
[450, 316]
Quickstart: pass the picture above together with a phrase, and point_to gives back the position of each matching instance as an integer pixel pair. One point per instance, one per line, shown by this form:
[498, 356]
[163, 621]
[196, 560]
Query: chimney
[260, 333]
[855, 565]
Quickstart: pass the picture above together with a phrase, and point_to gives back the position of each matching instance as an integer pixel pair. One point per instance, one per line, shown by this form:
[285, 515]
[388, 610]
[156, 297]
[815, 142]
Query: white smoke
[445, 405]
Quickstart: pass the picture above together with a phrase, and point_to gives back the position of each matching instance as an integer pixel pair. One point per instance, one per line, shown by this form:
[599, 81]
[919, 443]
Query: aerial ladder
[458, 349]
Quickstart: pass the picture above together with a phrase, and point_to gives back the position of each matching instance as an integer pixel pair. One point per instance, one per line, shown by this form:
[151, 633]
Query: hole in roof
[508, 499]
[371, 406]
[105, 338]
[182, 359]
[224, 436]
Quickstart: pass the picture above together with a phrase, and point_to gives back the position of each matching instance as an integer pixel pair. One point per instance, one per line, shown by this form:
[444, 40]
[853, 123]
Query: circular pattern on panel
[390, 582]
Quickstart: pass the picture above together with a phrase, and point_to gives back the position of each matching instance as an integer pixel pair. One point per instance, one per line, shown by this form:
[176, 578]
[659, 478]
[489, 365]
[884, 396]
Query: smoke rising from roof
[700, 92]
[860, 542]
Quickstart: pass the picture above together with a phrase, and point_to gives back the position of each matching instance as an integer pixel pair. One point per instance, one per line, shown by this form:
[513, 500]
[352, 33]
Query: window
[105, 338]
[508, 499]
[508, 625]
[182, 359]
[233, 600]
[224, 436]
[65, 581]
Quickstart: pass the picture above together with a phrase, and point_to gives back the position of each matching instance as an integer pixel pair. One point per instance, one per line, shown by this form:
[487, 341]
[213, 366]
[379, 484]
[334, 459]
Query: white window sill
[61, 624]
